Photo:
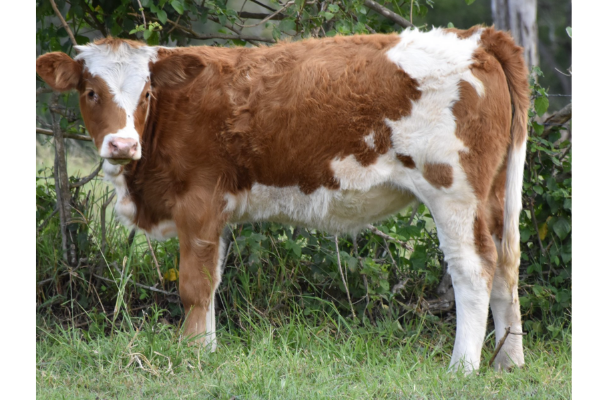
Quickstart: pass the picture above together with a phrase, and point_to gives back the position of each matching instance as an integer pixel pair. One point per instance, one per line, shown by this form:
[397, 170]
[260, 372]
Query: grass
[301, 358]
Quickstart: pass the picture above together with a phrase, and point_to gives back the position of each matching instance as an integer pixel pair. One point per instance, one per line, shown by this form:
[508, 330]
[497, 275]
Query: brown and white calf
[328, 133]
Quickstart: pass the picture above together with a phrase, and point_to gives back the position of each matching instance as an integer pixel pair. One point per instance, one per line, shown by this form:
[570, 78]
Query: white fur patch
[336, 211]
[370, 140]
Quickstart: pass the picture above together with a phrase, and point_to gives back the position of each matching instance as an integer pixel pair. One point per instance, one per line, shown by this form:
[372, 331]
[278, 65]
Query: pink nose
[122, 147]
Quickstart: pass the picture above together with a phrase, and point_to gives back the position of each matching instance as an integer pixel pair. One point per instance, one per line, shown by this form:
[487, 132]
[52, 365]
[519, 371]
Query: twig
[253, 15]
[364, 277]
[501, 343]
[535, 225]
[337, 249]
[142, 11]
[103, 221]
[262, 5]
[152, 289]
[162, 283]
[378, 8]
[43, 224]
[43, 90]
[559, 118]
[88, 178]
[388, 237]
[48, 132]
[289, 3]
[207, 36]
[59, 15]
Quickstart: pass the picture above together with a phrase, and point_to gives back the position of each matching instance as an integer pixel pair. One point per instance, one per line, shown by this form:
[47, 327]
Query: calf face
[117, 81]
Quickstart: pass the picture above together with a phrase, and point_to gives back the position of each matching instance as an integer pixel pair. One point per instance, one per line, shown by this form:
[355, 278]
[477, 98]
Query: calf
[330, 133]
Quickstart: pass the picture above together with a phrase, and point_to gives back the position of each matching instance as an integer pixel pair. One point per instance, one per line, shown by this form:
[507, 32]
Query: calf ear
[175, 71]
[59, 71]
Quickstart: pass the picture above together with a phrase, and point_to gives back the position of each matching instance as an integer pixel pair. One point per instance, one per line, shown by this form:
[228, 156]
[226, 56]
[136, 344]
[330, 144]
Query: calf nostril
[113, 146]
[134, 147]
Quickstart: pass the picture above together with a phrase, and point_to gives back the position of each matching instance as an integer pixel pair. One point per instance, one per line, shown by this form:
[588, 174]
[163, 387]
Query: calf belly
[334, 211]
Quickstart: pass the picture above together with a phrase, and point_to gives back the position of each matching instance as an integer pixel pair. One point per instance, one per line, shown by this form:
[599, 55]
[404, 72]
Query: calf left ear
[59, 71]
[175, 71]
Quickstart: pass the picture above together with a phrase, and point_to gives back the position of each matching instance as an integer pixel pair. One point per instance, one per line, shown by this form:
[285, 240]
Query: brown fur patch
[438, 174]
[484, 244]
[115, 43]
[101, 116]
[406, 160]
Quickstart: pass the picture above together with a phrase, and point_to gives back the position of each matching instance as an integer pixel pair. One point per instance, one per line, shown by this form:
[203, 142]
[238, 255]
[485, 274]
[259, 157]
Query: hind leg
[506, 310]
[504, 300]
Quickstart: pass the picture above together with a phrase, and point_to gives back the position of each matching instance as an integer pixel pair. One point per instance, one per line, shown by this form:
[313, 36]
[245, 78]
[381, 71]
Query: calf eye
[147, 94]
[92, 95]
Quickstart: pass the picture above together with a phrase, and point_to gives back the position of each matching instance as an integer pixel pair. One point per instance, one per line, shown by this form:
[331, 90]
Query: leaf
[177, 6]
[162, 16]
[569, 31]
[541, 105]
[450, 25]
[171, 275]
[328, 15]
[561, 228]
[333, 8]
[537, 128]
[543, 231]
[287, 24]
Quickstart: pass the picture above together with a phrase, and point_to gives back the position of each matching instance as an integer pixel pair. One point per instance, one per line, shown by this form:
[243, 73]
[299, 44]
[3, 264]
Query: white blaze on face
[125, 70]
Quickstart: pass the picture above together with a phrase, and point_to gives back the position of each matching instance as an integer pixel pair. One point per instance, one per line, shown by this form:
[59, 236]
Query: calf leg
[506, 310]
[469, 251]
[199, 278]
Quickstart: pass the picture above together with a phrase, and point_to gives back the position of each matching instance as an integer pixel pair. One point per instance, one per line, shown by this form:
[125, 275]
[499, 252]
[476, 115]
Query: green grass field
[296, 360]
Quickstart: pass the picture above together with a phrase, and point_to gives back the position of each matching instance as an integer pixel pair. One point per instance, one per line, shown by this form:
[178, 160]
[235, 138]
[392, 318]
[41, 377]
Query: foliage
[273, 269]
[546, 220]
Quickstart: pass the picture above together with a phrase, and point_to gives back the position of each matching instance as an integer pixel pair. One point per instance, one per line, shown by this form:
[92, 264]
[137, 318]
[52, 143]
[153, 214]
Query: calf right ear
[59, 71]
[176, 71]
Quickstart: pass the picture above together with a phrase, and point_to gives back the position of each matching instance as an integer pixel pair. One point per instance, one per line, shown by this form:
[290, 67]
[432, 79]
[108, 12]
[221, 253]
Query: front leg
[202, 251]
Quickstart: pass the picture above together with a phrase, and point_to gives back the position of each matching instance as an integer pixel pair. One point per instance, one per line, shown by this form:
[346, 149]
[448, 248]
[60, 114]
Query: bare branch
[262, 5]
[59, 15]
[160, 278]
[153, 289]
[289, 3]
[65, 135]
[43, 90]
[337, 249]
[45, 222]
[378, 8]
[142, 11]
[252, 15]
[88, 178]
[207, 36]
[559, 118]
[388, 237]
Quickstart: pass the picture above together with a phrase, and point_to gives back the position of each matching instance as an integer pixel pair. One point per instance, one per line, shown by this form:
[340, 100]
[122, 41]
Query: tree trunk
[520, 18]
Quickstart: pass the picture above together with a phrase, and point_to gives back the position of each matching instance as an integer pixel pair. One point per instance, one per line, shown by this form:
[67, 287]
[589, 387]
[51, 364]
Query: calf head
[117, 80]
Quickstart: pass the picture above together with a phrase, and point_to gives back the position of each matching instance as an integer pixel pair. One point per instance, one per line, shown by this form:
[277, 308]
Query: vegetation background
[299, 310]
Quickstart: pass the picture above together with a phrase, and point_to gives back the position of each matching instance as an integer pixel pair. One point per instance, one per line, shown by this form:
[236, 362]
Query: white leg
[471, 280]
[472, 301]
[211, 321]
[211, 325]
